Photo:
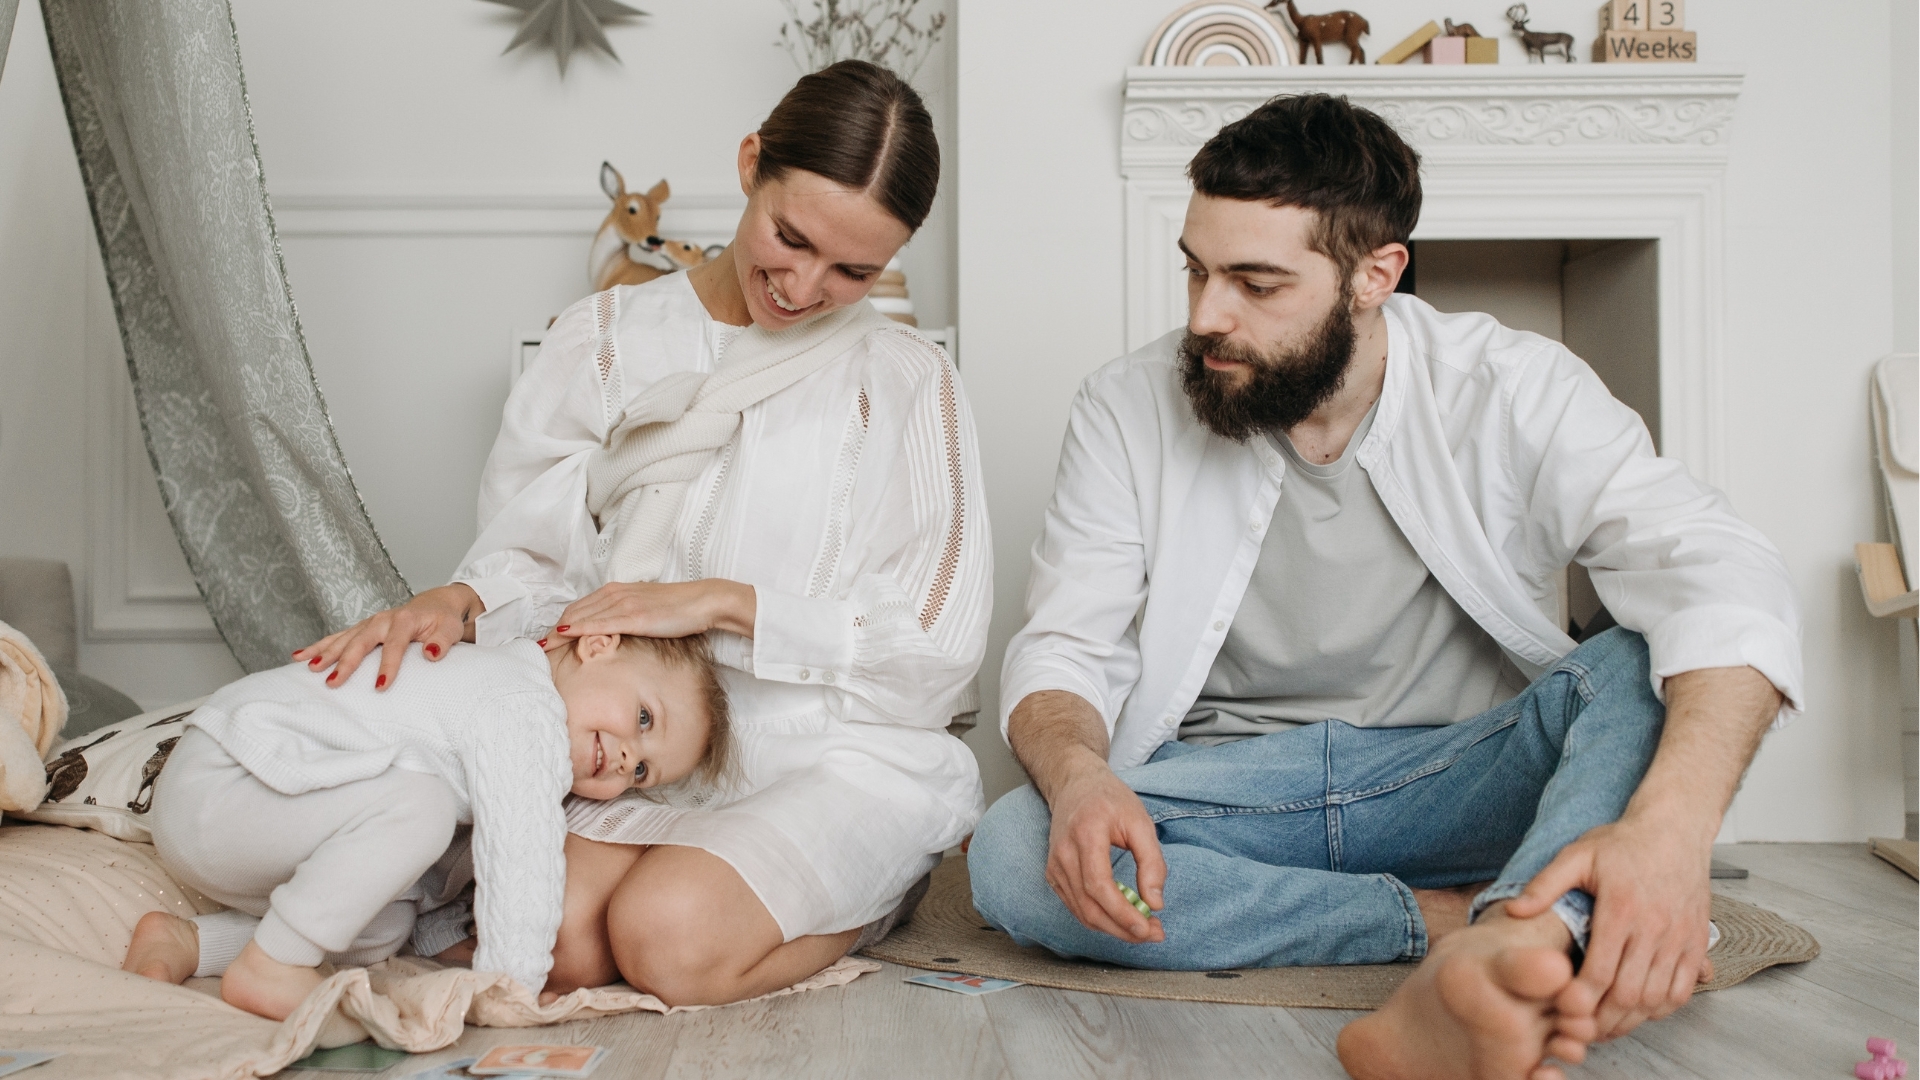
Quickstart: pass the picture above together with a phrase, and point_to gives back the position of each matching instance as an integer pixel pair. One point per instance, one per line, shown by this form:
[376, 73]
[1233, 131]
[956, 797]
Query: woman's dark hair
[1324, 154]
[860, 125]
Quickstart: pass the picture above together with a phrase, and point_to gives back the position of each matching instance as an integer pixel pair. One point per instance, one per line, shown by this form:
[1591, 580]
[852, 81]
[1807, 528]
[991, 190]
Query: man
[1292, 666]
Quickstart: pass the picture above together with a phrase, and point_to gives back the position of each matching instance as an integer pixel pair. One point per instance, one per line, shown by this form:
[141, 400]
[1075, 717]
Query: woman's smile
[782, 305]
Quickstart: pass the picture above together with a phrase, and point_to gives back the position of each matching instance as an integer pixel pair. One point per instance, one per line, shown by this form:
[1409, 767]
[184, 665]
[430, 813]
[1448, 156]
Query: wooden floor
[1807, 1022]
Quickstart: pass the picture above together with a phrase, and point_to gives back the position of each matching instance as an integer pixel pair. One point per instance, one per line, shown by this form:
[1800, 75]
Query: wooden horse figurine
[1454, 29]
[1538, 44]
[1344, 27]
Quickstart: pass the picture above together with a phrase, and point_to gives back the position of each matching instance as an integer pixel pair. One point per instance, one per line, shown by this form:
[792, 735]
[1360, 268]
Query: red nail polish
[542, 643]
[296, 654]
[314, 663]
[332, 677]
[379, 682]
[433, 650]
[561, 629]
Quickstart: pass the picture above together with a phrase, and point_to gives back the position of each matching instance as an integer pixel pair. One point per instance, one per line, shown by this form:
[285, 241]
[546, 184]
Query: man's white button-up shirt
[1500, 455]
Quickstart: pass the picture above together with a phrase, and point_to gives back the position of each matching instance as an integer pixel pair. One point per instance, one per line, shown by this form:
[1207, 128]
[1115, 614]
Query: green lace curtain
[249, 469]
[8, 8]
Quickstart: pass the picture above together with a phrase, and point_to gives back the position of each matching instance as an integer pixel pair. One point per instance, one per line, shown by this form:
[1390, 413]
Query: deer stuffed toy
[627, 249]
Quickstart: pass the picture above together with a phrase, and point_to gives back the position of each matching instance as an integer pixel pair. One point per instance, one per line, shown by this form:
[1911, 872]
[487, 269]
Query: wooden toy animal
[1460, 29]
[628, 235]
[1344, 27]
[1537, 43]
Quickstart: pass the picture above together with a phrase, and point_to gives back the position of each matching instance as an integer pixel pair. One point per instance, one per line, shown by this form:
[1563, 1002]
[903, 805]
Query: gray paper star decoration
[566, 25]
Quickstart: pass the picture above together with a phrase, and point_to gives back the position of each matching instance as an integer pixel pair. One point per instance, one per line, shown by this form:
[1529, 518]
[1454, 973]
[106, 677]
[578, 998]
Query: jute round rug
[946, 934]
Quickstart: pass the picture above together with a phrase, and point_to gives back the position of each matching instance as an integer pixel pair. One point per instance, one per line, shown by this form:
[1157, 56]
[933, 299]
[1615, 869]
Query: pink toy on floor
[1884, 1065]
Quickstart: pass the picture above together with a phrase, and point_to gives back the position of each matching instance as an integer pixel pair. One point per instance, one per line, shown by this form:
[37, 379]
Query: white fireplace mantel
[1510, 152]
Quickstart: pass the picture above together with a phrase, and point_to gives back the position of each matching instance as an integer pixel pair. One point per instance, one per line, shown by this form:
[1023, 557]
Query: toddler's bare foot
[1445, 910]
[266, 987]
[165, 947]
[1482, 1006]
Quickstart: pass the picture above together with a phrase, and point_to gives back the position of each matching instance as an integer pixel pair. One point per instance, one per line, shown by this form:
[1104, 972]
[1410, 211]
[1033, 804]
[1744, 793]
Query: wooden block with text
[1646, 47]
[1643, 15]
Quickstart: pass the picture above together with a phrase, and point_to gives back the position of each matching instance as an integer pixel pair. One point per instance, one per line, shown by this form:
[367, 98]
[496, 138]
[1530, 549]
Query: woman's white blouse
[851, 502]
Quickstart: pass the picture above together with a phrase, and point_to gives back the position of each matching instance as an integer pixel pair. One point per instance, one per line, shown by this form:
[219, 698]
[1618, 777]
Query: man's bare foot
[165, 947]
[1445, 910]
[1482, 1006]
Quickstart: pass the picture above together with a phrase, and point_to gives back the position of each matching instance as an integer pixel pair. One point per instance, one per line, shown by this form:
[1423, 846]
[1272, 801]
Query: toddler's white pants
[331, 874]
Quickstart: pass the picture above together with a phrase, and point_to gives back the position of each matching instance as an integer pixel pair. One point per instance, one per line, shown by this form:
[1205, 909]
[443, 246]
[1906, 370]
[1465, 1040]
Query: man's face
[1270, 327]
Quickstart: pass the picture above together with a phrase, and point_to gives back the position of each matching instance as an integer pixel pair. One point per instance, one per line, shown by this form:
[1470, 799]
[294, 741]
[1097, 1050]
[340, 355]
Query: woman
[747, 450]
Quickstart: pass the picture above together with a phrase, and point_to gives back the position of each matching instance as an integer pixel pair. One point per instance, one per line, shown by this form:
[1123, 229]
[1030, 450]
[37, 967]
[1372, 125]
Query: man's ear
[1378, 275]
[592, 647]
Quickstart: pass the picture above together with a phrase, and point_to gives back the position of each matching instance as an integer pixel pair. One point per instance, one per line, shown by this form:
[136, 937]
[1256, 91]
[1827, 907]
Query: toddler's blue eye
[639, 774]
[646, 719]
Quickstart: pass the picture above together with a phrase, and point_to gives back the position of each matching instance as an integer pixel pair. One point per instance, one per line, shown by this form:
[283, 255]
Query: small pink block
[1447, 50]
[1884, 1065]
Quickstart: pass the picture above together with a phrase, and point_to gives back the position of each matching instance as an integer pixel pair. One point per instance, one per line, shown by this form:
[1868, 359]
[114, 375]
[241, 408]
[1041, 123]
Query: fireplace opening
[1600, 298]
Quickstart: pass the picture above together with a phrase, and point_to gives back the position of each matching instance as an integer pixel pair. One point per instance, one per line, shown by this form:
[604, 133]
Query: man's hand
[1062, 742]
[1093, 812]
[1647, 949]
[1648, 871]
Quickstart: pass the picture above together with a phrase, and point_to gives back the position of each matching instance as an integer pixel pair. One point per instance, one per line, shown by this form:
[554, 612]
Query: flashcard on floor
[447, 1070]
[12, 1061]
[358, 1057]
[564, 1060]
[963, 984]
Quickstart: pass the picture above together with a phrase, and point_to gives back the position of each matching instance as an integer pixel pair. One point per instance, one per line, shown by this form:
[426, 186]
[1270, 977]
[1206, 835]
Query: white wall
[1809, 309]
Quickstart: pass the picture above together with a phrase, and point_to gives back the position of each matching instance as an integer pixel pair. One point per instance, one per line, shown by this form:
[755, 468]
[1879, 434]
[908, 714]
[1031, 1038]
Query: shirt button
[1219, 626]
[828, 677]
[805, 674]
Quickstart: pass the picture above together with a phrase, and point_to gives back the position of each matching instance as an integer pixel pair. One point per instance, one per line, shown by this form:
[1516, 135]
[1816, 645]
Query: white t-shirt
[1342, 621]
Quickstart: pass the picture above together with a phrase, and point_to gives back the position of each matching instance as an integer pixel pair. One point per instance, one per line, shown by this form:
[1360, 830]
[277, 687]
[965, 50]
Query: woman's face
[807, 245]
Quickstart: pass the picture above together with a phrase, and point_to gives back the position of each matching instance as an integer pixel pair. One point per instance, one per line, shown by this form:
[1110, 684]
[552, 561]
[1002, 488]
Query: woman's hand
[646, 609]
[439, 617]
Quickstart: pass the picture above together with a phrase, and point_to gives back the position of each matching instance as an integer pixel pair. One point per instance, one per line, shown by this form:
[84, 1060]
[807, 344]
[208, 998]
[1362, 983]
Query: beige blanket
[32, 711]
[69, 899]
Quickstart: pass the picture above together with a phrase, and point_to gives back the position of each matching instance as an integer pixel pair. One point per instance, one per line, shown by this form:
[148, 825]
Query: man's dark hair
[1320, 153]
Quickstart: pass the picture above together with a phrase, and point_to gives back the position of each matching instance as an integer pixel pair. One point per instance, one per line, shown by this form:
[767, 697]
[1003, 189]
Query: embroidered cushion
[104, 779]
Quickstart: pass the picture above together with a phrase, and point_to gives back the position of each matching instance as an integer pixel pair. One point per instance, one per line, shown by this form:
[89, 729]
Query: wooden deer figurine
[1344, 27]
[624, 250]
[1453, 29]
[1538, 44]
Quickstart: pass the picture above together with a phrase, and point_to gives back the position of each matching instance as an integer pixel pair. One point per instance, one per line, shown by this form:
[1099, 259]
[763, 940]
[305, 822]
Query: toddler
[325, 817]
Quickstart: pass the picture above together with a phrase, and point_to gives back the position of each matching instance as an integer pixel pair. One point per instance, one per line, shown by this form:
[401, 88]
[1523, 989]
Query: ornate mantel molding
[1623, 112]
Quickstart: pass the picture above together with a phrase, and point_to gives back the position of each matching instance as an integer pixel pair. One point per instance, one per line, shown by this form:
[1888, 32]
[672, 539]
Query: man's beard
[1281, 387]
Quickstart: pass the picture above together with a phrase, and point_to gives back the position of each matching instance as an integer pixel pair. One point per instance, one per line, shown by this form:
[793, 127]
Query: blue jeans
[1303, 847]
